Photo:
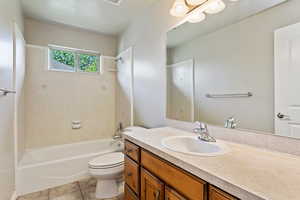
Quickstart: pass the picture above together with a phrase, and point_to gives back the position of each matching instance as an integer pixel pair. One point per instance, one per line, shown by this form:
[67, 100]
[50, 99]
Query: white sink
[192, 145]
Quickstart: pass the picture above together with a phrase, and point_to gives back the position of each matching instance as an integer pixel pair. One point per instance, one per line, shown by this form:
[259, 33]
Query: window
[73, 60]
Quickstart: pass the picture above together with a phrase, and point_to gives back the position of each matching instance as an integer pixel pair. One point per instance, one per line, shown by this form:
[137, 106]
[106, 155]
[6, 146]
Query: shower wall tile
[54, 99]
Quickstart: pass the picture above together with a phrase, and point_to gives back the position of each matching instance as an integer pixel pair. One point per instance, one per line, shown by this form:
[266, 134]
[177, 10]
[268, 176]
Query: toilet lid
[106, 160]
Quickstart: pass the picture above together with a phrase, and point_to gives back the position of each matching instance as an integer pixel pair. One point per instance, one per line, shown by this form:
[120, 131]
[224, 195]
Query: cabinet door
[132, 174]
[171, 194]
[129, 195]
[216, 194]
[151, 187]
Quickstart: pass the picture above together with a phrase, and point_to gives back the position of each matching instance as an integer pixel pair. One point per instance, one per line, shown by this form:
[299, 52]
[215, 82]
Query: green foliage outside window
[88, 63]
[64, 57]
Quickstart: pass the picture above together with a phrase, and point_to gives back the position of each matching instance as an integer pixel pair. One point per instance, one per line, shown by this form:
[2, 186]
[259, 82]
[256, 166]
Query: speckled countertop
[246, 172]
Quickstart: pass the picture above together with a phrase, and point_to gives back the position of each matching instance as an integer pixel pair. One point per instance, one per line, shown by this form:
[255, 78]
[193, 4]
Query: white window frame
[76, 52]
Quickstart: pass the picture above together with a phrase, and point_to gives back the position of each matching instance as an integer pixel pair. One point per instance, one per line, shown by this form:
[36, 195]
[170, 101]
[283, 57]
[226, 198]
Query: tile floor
[79, 190]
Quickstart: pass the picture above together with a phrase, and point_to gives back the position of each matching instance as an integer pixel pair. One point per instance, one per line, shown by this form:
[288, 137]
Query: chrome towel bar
[4, 91]
[234, 95]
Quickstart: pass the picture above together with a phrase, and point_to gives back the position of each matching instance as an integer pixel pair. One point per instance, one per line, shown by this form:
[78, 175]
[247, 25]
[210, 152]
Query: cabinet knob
[129, 150]
[156, 194]
[129, 174]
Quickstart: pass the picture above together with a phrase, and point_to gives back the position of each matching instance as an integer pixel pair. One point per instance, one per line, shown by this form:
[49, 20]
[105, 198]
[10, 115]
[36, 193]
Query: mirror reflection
[221, 72]
[180, 91]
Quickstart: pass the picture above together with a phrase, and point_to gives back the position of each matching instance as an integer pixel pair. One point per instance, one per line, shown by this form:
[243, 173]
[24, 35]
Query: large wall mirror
[229, 67]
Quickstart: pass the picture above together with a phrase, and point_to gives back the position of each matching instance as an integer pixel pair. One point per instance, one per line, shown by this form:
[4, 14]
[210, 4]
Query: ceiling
[233, 13]
[94, 15]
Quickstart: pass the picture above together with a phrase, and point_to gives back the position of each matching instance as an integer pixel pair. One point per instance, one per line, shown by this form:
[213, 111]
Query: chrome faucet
[117, 137]
[202, 131]
[230, 123]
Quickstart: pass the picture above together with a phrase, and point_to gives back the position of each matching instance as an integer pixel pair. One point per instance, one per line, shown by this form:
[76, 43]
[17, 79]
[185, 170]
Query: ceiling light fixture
[215, 7]
[194, 10]
[196, 17]
[179, 8]
[195, 2]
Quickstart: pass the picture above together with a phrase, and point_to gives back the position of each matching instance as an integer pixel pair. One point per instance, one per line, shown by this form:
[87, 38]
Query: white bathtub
[48, 167]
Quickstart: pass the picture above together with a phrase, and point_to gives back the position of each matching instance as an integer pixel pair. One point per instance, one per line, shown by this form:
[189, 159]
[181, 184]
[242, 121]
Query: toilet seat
[106, 161]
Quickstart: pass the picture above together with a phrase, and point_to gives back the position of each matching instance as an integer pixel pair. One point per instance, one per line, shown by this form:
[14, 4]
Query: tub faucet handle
[117, 137]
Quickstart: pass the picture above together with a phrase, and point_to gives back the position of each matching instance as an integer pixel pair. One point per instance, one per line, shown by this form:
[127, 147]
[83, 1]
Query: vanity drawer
[131, 174]
[217, 194]
[129, 194]
[186, 184]
[132, 150]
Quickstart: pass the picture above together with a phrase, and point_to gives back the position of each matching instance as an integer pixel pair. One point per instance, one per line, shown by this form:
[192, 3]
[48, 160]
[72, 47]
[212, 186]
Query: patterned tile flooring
[79, 190]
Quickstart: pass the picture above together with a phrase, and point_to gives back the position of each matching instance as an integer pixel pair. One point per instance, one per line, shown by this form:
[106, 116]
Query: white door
[125, 88]
[287, 81]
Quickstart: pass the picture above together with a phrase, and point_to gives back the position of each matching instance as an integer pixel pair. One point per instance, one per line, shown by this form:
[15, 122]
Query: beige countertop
[246, 172]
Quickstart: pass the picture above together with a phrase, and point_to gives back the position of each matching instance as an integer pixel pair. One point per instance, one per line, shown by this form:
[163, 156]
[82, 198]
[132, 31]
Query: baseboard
[14, 196]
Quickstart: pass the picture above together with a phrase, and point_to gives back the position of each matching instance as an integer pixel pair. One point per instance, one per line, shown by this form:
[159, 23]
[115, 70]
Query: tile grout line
[82, 196]
[48, 194]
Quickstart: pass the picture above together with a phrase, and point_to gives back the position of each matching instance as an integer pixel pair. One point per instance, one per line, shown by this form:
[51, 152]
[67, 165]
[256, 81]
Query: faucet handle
[197, 123]
[201, 125]
[117, 137]
[231, 122]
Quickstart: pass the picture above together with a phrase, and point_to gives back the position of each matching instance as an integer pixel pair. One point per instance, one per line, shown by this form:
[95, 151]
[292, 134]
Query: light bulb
[195, 2]
[179, 8]
[195, 17]
[215, 7]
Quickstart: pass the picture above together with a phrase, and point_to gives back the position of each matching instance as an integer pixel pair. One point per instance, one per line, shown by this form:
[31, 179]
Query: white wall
[40, 33]
[147, 35]
[9, 12]
[54, 99]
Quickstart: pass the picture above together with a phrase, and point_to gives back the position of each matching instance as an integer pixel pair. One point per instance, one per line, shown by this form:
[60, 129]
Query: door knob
[282, 116]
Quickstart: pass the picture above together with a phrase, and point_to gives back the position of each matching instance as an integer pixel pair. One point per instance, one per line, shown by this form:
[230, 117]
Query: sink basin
[192, 145]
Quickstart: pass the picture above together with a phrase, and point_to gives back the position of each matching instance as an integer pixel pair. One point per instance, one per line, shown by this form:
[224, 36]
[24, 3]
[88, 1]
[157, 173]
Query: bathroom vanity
[148, 177]
[247, 173]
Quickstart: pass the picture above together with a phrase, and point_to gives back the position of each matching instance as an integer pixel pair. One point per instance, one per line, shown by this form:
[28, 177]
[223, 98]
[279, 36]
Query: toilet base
[106, 189]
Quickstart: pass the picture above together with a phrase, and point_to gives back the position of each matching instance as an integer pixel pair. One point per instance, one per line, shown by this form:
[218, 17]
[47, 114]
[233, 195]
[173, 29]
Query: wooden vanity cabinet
[217, 194]
[148, 177]
[129, 194]
[131, 175]
[191, 187]
[171, 194]
[151, 187]
[132, 151]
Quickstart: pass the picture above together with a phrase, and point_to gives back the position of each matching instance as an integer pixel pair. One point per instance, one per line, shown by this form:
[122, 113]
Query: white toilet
[107, 169]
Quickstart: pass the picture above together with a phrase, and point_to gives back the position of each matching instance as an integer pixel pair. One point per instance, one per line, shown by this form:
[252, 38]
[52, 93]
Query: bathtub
[43, 168]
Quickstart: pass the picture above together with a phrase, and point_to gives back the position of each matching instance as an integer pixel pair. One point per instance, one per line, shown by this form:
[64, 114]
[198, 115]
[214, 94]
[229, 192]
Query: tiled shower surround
[79, 190]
